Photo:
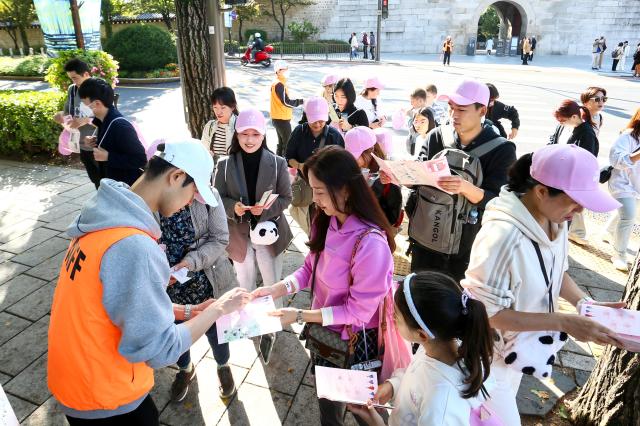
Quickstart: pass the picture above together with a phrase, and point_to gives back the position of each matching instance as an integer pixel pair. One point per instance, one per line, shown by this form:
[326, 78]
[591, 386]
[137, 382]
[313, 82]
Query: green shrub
[251, 31]
[142, 48]
[26, 121]
[28, 66]
[333, 42]
[101, 63]
[302, 32]
[33, 66]
[309, 48]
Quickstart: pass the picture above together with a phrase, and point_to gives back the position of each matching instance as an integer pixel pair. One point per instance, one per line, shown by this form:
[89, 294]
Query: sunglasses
[600, 99]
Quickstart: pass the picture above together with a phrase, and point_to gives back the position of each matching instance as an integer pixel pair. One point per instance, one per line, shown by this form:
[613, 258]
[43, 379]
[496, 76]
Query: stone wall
[36, 38]
[420, 26]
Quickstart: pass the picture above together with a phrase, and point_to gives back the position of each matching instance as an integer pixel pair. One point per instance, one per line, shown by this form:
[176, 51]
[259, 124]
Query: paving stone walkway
[36, 205]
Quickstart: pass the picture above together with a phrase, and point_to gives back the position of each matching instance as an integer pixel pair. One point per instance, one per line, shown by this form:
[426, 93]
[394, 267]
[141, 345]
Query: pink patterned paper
[625, 322]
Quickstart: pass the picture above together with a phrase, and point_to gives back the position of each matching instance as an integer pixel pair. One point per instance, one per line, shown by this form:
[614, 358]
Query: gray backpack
[437, 219]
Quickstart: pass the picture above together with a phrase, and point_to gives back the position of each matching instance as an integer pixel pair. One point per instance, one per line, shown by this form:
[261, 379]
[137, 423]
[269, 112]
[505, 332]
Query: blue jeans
[221, 352]
[621, 225]
[577, 226]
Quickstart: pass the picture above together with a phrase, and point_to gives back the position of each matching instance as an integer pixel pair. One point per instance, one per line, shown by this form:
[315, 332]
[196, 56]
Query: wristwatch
[299, 319]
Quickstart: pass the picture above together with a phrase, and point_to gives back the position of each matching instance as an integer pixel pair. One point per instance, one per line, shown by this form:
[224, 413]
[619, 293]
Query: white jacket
[625, 177]
[504, 271]
[367, 106]
[428, 393]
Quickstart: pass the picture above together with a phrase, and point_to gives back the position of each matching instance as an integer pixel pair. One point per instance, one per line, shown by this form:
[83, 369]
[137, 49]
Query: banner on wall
[57, 24]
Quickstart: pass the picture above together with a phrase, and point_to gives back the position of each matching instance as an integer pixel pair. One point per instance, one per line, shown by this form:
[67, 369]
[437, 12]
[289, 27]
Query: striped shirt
[219, 140]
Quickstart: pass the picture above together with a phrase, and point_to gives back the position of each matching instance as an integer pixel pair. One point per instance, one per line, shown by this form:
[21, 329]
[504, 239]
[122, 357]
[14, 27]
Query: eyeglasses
[602, 99]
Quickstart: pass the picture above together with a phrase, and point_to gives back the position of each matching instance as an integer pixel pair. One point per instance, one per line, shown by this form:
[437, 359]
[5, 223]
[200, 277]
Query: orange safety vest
[85, 371]
[279, 111]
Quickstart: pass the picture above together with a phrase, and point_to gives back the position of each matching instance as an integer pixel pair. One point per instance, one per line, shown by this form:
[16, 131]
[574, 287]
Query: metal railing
[306, 51]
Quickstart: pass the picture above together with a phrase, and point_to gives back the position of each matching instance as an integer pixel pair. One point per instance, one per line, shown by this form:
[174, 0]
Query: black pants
[423, 259]
[615, 64]
[372, 52]
[145, 415]
[92, 166]
[364, 51]
[446, 59]
[283, 129]
[525, 58]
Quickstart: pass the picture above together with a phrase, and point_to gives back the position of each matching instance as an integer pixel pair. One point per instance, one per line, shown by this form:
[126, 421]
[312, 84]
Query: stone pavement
[36, 205]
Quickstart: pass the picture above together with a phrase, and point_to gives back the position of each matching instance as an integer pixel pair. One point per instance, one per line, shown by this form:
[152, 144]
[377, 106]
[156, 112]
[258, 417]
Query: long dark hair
[337, 169]
[438, 300]
[346, 85]
[428, 114]
[235, 144]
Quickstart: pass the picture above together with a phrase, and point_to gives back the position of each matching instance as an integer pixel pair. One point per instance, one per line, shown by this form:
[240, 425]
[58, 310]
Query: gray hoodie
[134, 274]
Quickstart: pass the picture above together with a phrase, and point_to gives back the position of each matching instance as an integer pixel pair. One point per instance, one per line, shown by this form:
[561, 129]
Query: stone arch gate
[517, 20]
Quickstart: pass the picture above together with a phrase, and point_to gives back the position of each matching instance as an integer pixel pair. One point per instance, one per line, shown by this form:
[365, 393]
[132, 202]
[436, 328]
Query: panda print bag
[534, 352]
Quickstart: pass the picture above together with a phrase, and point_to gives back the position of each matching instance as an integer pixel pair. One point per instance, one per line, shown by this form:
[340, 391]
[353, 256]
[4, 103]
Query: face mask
[85, 110]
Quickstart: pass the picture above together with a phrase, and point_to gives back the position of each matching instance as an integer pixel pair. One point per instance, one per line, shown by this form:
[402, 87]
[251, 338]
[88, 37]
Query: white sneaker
[620, 264]
[578, 240]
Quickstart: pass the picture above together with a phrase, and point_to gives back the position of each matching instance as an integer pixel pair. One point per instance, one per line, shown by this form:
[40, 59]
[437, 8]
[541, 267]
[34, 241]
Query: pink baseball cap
[329, 79]
[373, 83]
[468, 92]
[575, 171]
[358, 140]
[384, 139]
[316, 109]
[251, 118]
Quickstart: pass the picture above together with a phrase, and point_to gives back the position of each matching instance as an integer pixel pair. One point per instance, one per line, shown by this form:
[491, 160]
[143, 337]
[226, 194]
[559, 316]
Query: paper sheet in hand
[411, 172]
[625, 322]
[266, 200]
[7, 415]
[181, 275]
[350, 386]
[253, 320]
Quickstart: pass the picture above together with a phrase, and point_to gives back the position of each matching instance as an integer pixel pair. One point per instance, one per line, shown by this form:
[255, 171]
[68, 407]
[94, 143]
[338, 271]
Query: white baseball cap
[280, 65]
[190, 156]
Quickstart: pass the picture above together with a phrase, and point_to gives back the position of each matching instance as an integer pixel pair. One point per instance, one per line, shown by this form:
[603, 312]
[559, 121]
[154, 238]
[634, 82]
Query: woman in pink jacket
[349, 284]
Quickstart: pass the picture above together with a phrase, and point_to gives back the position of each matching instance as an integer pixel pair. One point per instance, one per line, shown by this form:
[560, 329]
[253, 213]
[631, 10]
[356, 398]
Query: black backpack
[390, 199]
[436, 218]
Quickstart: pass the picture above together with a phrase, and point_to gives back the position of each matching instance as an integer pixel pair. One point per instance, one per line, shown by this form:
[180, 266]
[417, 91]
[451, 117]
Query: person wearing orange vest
[282, 106]
[112, 321]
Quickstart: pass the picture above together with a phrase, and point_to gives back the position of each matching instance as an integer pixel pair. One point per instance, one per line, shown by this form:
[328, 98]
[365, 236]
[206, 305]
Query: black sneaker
[266, 346]
[180, 385]
[227, 386]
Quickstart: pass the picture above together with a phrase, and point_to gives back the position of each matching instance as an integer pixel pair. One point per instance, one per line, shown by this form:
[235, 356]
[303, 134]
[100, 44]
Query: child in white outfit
[443, 384]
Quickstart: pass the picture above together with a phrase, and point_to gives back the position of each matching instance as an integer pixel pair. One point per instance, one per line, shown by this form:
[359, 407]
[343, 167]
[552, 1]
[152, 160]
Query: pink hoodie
[372, 276]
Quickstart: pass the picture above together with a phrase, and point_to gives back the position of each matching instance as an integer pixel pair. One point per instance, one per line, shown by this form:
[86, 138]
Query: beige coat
[526, 46]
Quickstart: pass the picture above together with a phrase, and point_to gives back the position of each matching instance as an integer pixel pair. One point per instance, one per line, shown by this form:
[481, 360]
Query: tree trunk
[611, 396]
[107, 10]
[167, 21]
[240, 32]
[25, 39]
[200, 74]
[13, 33]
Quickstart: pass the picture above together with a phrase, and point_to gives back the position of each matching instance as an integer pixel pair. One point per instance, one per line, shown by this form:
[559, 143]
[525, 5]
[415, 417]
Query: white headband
[412, 307]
